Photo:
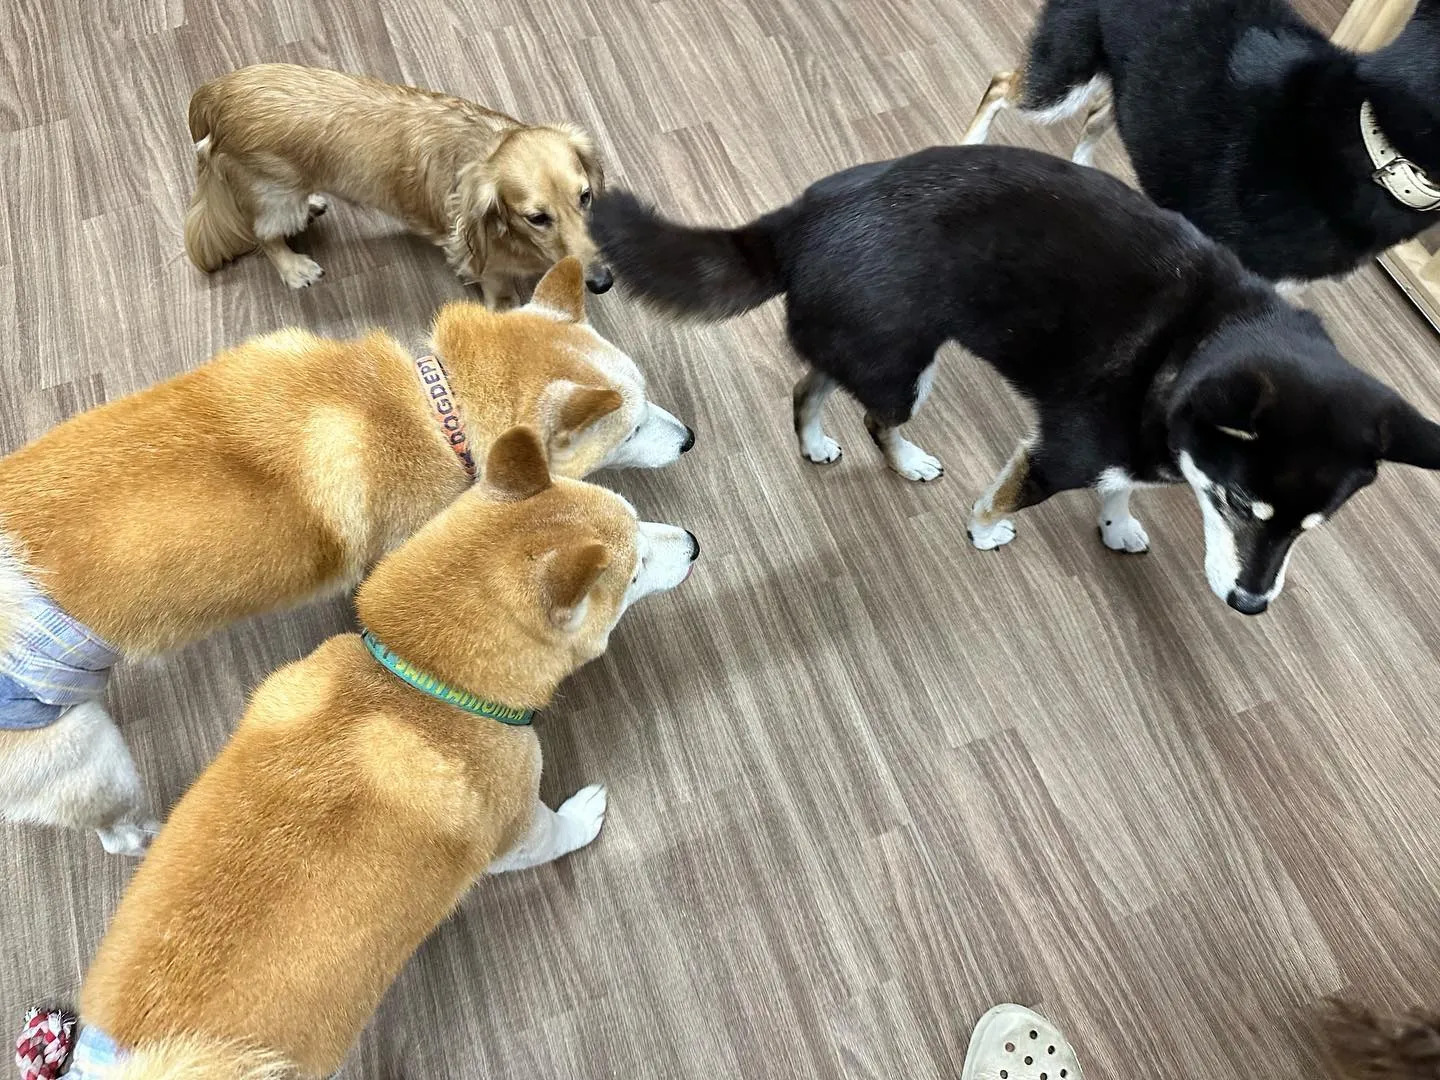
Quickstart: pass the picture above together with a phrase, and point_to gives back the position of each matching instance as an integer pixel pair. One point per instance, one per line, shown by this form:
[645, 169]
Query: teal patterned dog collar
[428, 684]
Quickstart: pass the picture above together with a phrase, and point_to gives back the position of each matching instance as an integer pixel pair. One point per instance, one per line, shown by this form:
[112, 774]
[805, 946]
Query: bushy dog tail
[1365, 1046]
[701, 273]
[217, 228]
[194, 1057]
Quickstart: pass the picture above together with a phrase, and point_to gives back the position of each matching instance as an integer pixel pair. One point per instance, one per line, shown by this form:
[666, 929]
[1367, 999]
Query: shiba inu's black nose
[598, 279]
[1247, 603]
[689, 440]
[694, 545]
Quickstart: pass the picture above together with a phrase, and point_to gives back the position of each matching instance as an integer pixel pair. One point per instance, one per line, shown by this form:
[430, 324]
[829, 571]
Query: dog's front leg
[498, 291]
[1119, 530]
[77, 772]
[998, 94]
[1026, 479]
[553, 833]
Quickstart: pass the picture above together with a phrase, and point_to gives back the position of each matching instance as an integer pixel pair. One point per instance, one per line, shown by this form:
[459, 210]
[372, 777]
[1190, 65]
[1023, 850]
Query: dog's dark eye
[585, 198]
[539, 220]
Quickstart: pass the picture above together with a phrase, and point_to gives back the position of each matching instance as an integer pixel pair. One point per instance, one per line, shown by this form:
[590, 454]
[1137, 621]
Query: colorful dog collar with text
[426, 683]
[436, 384]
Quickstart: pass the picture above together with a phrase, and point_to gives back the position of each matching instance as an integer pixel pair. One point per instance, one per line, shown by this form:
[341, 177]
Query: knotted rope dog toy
[44, 1044]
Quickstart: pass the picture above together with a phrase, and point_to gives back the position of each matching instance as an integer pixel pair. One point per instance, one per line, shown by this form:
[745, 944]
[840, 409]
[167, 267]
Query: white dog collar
[1394, 172]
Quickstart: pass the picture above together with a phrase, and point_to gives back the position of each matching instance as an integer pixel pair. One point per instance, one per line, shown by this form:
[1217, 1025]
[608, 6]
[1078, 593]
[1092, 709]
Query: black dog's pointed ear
[1408, 438]
[1232, 403]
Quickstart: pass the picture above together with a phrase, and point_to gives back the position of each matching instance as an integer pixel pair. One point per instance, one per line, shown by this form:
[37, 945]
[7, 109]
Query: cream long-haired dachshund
[505, 199]
[274, 474]
[369, 784]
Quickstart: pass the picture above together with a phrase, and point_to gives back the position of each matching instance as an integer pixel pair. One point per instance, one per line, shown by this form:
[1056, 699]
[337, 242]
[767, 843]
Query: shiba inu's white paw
[301, 272]
[1124, 534]
[987, 537]
[822, 450]
[128, 839]
[583, 815]
[317, 205]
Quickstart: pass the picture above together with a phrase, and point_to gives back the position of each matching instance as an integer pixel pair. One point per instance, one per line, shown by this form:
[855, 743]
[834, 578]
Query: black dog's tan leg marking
[809, 396]
[901, 454]
[1099, 120]
[989, 527]
[1004, 90]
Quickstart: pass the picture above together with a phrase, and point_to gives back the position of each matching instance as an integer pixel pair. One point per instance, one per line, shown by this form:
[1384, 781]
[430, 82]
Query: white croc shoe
[1013, 1043]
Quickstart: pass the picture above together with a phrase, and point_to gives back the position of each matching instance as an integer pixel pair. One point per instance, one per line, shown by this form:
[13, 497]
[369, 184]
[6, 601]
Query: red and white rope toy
[44, 1044]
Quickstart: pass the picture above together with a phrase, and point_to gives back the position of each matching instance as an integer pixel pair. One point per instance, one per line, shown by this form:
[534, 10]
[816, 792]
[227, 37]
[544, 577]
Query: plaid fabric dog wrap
[54, 663]
[96, 1056]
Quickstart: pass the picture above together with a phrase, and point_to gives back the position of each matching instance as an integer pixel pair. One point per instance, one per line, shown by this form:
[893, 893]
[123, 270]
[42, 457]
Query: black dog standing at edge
[1247, 120]
[1148, 352]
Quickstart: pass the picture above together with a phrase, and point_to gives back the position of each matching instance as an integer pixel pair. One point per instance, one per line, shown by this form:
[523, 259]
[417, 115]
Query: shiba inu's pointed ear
[562, 290]
[516, 465]
[583, 407]
[1232, 402]
[1408, 438]
[571, 575]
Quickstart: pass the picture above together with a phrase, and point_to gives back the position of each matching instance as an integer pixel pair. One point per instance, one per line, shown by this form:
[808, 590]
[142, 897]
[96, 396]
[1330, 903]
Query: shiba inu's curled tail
[701, 273]
[1369, 1047]
[195, 1057]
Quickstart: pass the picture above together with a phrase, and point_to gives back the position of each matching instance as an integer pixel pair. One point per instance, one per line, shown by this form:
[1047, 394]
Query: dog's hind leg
[283, 212]
[809, 396]
[1004, 88]
[1099, 121]
[77, 772]
[296, 270]
[883, 421]
[553, 833]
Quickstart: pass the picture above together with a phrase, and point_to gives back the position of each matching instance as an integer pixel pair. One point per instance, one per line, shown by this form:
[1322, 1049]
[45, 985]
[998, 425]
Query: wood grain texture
[865, 781]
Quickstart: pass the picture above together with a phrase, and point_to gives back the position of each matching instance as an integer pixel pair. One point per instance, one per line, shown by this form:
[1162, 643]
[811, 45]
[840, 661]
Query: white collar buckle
[1397, 174]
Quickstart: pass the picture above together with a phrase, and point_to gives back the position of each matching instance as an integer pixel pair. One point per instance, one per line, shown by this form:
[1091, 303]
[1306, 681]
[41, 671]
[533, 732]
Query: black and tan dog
[1149, 353]
[1302, 157]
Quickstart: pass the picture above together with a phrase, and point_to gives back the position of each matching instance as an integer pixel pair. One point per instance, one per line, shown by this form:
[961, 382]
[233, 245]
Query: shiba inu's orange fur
[280, 471]
[284, 467]
[350, 812]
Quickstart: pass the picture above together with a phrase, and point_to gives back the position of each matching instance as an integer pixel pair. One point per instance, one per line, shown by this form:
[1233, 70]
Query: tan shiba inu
[276, 473]
[355, 805]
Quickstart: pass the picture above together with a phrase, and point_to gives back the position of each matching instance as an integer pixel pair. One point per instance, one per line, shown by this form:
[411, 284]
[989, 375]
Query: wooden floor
[865, 780]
